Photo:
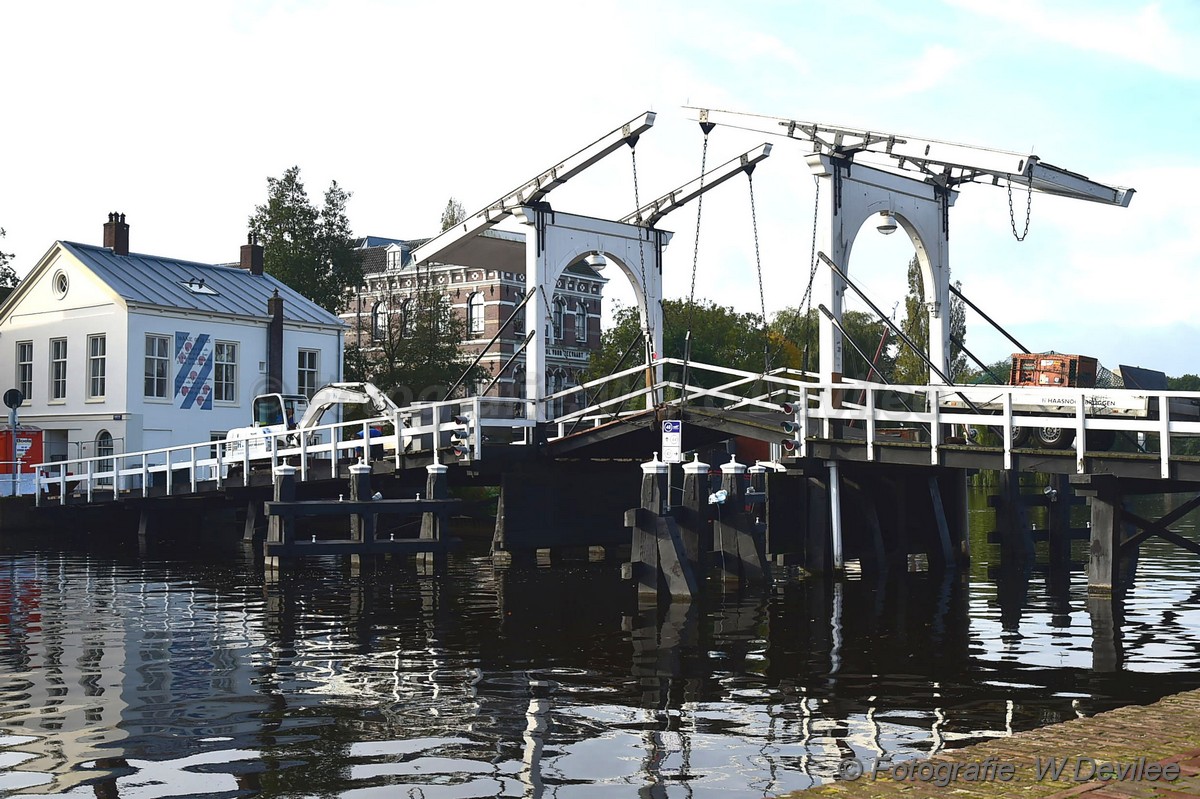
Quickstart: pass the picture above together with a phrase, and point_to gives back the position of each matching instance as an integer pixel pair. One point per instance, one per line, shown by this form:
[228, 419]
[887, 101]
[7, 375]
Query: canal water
[180, 672]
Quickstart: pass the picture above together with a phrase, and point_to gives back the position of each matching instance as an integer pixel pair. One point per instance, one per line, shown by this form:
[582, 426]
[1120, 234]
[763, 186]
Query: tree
[720, 335]
[415, 355]
[910, 368]
[312, 251]
[453, 214]
[8, 278]
[793, 331]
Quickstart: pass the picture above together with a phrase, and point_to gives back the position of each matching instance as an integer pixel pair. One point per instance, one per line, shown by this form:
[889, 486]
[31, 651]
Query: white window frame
[220, 364]
[556, 319]
[97, 365]
[581, 316]
[154, 359]
[306, 373]
[25, 369]
[58, 370]
[476, 316]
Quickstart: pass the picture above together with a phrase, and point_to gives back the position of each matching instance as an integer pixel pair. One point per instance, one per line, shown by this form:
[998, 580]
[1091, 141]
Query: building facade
[484, 299]
[119, 352]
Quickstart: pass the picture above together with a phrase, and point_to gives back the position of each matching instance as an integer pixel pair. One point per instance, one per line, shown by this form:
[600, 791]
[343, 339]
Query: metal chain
[762, 299]
[812, 271]
[1012, 219]
[637, 203]
[696, 245]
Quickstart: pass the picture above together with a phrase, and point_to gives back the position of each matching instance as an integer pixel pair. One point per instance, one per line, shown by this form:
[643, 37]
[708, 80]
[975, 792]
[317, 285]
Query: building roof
[153, 280]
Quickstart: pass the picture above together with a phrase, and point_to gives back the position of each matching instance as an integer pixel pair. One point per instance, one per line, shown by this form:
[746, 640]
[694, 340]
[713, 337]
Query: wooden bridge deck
[1153, 742]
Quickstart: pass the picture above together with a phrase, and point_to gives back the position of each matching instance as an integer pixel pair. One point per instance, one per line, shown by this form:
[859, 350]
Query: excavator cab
[275, 409]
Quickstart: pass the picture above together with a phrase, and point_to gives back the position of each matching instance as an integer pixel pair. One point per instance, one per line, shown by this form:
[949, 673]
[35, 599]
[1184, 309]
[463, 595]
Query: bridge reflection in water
[181, 671]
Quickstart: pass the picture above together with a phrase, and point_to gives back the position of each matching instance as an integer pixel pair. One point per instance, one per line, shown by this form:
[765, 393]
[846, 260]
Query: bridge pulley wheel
[1054, 437]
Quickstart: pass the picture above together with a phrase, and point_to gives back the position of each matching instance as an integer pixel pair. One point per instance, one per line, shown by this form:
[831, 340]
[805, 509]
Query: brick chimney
[252, 255]
[116, 234]
[275, 342]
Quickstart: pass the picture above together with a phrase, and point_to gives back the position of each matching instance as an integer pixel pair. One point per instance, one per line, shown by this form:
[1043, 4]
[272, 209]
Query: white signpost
[672, 441]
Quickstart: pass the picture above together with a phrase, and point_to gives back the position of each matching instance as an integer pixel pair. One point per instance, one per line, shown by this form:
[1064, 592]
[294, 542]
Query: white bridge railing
[881, 411]
[875, 412]
[453, 427]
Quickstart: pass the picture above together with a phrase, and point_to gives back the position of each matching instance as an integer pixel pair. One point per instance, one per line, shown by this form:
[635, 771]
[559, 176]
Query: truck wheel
[1055, 437]
[1021, 436]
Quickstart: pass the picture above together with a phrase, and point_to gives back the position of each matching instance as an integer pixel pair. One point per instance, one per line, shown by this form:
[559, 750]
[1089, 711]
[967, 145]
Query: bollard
[362, 525]
[658, 545]
[739, 549]
[693, 515]
[281, 529]
[433, 522]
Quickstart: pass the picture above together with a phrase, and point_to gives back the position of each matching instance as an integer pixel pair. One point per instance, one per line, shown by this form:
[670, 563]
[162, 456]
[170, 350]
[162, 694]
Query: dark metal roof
[153, 280]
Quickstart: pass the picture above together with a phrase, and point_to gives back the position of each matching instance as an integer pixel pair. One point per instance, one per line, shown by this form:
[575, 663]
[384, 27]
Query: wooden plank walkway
[1156, 747]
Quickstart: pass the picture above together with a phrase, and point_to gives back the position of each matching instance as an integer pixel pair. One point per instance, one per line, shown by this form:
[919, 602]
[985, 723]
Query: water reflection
[185, 674]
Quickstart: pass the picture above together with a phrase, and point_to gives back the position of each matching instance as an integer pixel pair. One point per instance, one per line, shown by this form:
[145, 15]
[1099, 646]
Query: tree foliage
[8, 278]
[910, 367]
[310, 250]
[795, 333]
[417, 355]
[452, 214]
[719, 335]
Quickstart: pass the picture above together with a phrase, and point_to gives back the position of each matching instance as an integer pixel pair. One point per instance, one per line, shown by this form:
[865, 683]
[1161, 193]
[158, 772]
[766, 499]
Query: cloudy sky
[176, 114]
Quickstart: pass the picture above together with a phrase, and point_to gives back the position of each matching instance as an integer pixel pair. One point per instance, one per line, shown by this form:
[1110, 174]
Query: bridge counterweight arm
[534, 190]
[942, 162]
[651, 212]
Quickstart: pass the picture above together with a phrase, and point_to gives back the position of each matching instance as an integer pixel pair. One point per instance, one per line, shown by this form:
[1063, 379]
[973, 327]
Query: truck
[1042, 376]
[287, 417]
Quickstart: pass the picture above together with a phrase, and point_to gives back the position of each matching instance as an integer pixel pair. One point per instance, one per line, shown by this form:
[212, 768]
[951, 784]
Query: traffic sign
[672, 441]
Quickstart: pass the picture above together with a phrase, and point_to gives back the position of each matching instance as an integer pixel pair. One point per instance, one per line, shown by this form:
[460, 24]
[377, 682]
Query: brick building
[483, 298]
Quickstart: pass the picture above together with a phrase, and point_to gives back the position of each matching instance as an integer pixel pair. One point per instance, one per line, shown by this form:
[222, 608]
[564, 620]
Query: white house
[119, 352]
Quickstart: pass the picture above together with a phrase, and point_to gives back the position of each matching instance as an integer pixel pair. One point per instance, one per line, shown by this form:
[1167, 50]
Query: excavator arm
[345, 394]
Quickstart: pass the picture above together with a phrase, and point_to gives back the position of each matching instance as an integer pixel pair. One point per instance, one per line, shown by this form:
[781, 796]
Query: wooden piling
[281, 529]
[659, 555]
[693, 517]
[739, 548]
[1105, 550]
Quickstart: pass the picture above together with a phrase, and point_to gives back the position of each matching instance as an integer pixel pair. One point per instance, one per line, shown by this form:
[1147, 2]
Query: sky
[177, 113]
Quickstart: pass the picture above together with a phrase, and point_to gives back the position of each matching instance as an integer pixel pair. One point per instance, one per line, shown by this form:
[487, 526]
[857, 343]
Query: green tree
[8, 278]
[416, 355]
[793, 331]
[308, 249]
[910, 368]
[720, 335]
[453, 214]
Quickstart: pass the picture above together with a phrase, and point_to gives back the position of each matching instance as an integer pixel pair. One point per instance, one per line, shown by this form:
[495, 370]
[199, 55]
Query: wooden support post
[739, 544]
[787, 504]
[1058, 528]
[362, 525]
[281, 529]
[644, 554]
[435, 488]
[436, 524]
[816, 530]
[943, 524]
[1105, 550]
[693, 516]
[1012, 519]
[251, 529]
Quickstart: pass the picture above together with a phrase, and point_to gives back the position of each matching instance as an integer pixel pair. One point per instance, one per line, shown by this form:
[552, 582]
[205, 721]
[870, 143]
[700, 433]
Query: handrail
[1081, 410]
